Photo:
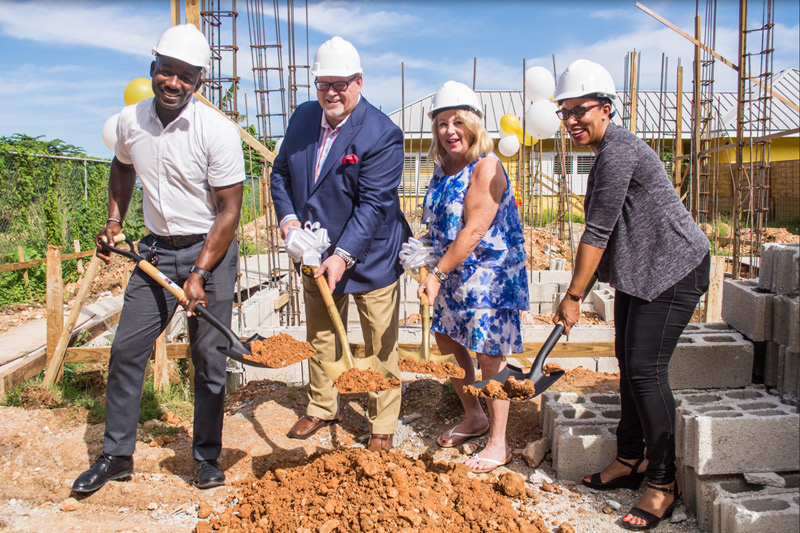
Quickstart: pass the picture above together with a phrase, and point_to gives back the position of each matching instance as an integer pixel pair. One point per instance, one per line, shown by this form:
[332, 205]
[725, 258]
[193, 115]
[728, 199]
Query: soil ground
[44, 450]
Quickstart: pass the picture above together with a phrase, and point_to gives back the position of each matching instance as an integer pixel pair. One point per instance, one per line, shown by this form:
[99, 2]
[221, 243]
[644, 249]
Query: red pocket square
[350, 159]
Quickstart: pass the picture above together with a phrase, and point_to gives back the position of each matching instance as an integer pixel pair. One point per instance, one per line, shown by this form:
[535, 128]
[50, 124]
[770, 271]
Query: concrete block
[786, 275]
[603, 301]
[555, 276]
[570, 409]
[767, 265]
[771, 365]
[583, 449]
[586, 306]
[711, 361]
[535, 451]
[583, 333]
[701, 492]
[704, 328]
[786, 321]
[542, 292]
[747, 309]
[607, 365]
[788, 371]
[757, 514]
[719, 437]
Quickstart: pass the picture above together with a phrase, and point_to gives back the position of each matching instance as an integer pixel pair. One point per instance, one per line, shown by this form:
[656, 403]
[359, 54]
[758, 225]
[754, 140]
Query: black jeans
[646, 336]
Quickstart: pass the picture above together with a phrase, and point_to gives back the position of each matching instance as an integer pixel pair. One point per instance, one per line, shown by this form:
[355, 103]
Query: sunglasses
[577, 112]
[338, 86]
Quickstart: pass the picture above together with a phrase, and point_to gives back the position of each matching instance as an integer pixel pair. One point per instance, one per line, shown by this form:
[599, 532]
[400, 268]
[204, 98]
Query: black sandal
[628, 481]
[651, 520]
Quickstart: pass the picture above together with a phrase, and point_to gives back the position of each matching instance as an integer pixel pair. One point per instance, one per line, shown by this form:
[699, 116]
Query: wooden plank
[192, 11]
[251, 141]
[99, 354]
[21, 370]
[713, 309]
[76, 243]
[55, 299]
[281, 300]
[175, 11]
[160, 375]
[9, 267]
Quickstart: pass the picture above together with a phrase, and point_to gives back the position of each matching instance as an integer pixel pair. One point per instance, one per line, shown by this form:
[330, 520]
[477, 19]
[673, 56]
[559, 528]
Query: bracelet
[349, 260]
[112, 219]
[205, 274]
[573, 297]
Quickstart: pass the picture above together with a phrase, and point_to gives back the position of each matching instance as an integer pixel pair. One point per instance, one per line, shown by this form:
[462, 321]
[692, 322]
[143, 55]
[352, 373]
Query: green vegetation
[83, 388]
[548, 216]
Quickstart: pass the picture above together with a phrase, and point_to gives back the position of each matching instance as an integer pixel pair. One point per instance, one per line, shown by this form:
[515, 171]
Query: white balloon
[503, 134]
[539, 84]
[508, 146]
[541, 120]
[110, 131]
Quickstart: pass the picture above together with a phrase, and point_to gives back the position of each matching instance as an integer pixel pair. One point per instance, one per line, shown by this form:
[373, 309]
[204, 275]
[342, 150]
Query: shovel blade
[541, 381]
[237, 350]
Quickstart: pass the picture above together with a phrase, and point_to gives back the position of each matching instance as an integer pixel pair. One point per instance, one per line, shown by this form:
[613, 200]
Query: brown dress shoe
[306, 426]
[380, 442]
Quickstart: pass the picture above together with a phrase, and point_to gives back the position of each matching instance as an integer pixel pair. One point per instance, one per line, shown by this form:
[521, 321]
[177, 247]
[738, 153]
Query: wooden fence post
[160, 374]
[21, 255]
[55, 299]
[713, 310]
[77, 245]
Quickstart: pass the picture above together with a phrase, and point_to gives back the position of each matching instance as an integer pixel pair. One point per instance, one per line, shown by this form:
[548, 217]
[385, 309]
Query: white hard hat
[582, 78]
[186, 43]
[336, 57]
[455, 95]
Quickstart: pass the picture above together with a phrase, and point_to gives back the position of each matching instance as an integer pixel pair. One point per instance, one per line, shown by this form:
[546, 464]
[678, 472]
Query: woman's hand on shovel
[568, 312]
[195, 293]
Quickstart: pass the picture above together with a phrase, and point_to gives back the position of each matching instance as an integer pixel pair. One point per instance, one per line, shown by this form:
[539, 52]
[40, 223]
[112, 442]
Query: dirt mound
[512, 389]
[38, 398]
[542, 246]
[279, 351]
[357, 490]
[409, 364]
[356, 380]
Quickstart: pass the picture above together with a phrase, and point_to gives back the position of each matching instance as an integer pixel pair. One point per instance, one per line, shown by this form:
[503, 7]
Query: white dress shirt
[178, 164]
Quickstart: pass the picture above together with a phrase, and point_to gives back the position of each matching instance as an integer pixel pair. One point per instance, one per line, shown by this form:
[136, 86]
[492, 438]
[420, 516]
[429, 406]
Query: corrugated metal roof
[655, 111]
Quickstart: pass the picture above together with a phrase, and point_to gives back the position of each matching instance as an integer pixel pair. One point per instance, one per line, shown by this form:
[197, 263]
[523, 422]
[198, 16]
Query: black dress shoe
[105, 468]
[209, 474]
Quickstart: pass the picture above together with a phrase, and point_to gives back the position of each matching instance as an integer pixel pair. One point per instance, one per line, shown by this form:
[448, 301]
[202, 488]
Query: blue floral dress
[478, 304]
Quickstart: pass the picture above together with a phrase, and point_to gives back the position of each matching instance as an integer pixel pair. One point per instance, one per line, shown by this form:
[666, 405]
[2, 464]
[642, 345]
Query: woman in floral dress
[479, 285]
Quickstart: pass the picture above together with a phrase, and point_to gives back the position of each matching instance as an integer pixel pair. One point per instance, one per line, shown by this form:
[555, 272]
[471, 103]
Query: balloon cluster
[136, 91]
[541, 120]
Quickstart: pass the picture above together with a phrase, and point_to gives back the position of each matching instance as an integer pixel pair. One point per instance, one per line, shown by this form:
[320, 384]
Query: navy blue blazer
[356, 202]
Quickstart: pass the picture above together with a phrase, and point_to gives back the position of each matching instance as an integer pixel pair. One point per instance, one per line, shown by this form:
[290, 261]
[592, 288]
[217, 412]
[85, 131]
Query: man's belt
[180, 241]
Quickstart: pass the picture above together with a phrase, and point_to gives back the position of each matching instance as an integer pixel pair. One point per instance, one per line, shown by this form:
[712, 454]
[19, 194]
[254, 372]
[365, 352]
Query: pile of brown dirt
[356, 380]
[512, 389]
[409, 364]
[537, 241]
[585, 381]
[356, 490]
[279, 351]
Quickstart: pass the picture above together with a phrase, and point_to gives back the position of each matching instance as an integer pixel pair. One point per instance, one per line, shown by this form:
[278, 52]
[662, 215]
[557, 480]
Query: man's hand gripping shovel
[236, 350]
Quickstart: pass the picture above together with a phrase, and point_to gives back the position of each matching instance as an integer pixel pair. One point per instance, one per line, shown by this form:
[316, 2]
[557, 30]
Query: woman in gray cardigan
[641, 240]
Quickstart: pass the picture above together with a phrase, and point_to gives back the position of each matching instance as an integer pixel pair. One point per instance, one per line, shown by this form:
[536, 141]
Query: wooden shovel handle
[333, 312]
[423, 273]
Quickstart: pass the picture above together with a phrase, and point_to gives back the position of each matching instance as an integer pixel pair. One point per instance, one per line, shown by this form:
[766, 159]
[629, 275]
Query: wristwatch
[349, 260]
[441, 276]
[205, 274]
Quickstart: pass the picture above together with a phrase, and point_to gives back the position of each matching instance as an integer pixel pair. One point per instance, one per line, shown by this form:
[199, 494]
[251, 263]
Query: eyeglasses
[577, 112]
[338, 86]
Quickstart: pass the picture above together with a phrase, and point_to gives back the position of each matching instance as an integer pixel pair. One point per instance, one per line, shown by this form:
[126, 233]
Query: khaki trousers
[379, 312]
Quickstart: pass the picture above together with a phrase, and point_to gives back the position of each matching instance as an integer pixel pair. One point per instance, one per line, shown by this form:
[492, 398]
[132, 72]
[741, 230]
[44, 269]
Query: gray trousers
[146, 312]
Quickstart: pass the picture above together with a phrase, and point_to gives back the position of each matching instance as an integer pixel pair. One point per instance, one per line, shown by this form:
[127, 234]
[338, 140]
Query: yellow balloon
[137, 90]
[509, 123]
[529, 141]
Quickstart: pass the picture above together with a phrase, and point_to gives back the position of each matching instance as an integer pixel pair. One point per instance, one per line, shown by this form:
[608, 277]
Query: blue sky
[65, 64]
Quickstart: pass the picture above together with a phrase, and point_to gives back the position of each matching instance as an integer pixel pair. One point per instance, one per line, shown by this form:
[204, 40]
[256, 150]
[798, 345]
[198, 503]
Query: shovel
[424, 352]
[236, 350]
[541, 381]
[334, 369]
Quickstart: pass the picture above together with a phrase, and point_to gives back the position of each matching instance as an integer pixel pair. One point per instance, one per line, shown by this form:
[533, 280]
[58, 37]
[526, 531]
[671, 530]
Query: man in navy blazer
[340, 164]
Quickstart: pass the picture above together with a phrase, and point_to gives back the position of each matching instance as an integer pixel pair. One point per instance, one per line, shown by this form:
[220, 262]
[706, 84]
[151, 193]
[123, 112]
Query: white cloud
[356, 22]
[99, 25]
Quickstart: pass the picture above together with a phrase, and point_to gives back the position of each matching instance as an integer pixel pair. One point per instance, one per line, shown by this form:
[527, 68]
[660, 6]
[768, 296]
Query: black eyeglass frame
[338, 86]
[564, 114]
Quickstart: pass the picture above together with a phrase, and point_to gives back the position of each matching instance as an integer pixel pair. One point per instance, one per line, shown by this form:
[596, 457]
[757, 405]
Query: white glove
[417, 253]
[307, 244]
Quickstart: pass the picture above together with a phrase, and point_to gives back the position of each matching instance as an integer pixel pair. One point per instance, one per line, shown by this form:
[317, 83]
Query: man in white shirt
[189, 160]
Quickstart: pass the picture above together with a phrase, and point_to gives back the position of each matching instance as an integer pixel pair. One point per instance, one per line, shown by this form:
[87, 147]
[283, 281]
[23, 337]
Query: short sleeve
[225, 157]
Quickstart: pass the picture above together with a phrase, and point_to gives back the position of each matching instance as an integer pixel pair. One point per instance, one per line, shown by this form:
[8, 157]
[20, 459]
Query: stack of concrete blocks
[768, 309]
[721, 435]
[581, 429]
